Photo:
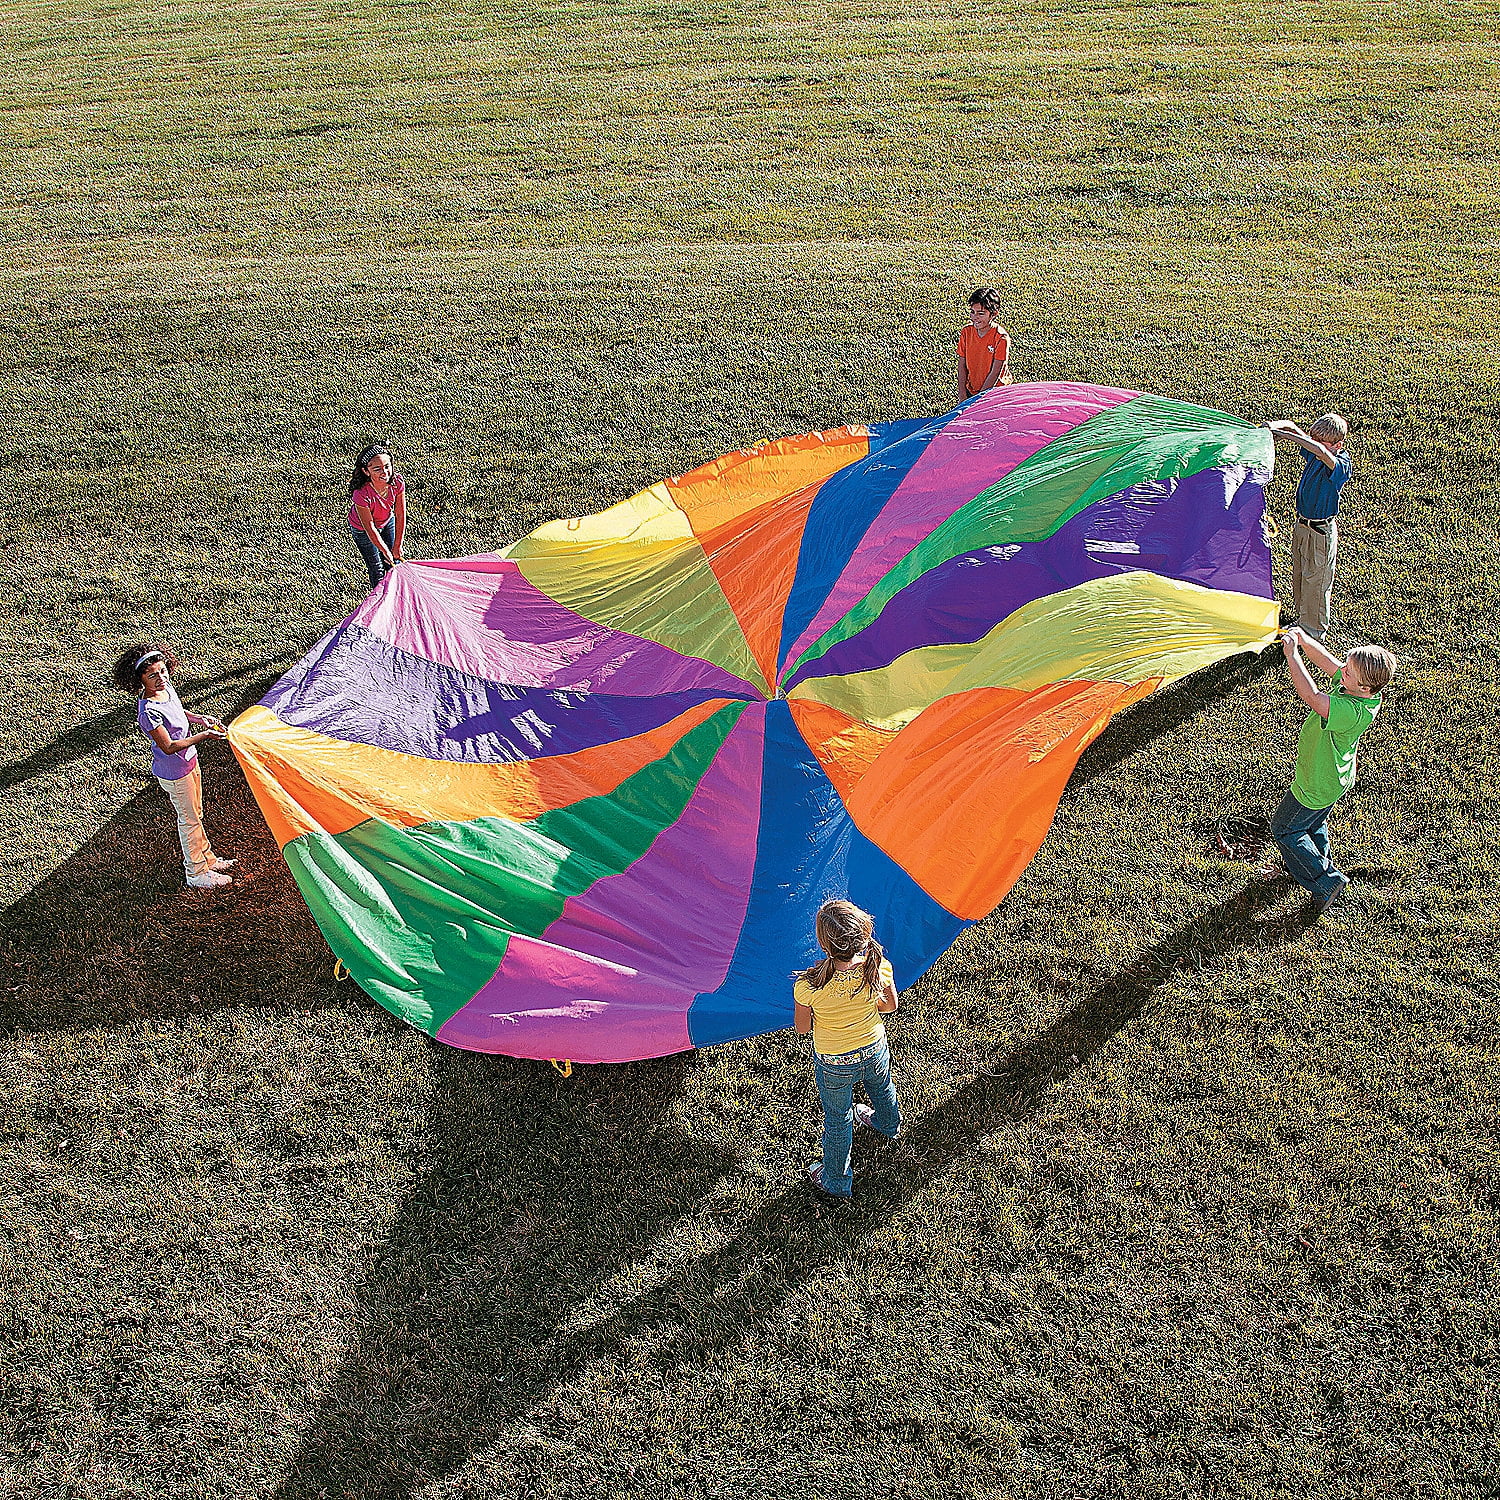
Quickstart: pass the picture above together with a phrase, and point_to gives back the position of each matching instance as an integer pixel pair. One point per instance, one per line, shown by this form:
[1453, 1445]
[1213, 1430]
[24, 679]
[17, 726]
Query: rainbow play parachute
[581, 798]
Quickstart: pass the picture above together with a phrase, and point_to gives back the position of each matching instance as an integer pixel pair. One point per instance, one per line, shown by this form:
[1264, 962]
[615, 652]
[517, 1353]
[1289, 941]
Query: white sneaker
[209, 880]
[223, 864]
[864, 1114]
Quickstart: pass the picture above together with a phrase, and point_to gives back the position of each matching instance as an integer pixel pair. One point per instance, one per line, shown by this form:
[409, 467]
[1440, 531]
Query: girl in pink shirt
[377, 511]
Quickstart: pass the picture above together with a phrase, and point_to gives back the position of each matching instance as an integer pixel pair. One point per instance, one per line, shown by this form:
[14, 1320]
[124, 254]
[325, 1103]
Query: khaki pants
[186, 794]
[1313, 558]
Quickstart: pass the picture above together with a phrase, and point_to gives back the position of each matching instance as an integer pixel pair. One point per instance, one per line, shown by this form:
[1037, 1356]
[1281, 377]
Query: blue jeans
[371, 553]
[1301, 833]
[836, 1077]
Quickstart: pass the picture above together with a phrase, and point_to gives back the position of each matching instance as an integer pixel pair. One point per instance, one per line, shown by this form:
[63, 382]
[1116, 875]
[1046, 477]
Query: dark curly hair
[127, 676]
[985, 296]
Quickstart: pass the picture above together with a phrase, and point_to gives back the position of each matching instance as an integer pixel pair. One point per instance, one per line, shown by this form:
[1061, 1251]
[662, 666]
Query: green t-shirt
[1325, 752]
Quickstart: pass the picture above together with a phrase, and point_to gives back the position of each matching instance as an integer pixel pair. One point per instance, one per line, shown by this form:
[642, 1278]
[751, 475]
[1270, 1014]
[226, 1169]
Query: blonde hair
[1375, 664]
[843, 930]
[1330, 426]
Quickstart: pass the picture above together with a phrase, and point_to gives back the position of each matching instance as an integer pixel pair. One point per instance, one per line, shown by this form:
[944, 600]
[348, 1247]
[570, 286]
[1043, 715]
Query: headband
[150, 656]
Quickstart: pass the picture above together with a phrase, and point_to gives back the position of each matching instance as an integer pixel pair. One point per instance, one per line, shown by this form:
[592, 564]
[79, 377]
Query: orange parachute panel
[716, 493]
[966, 792]
[747, 511]
[754, 558]
[846, 747]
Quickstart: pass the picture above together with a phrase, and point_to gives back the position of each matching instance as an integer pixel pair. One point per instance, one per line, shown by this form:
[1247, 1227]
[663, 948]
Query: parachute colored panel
[969, 789]
[582, 798]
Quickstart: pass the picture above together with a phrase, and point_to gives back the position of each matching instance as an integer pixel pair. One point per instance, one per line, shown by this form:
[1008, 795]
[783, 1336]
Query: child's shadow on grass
[539, 1191]
[115, 935]
[506, 1240]
[197, 693]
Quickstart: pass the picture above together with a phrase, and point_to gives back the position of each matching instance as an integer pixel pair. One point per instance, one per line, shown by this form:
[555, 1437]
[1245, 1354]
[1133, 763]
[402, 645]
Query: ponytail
[842, 931]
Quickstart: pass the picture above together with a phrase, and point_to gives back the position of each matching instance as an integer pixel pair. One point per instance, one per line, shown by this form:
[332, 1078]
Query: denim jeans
[836, 1077]
[374, 562]
[1301, 833]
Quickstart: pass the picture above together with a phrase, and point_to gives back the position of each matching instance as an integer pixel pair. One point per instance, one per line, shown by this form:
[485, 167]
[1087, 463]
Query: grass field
[1198, 1198]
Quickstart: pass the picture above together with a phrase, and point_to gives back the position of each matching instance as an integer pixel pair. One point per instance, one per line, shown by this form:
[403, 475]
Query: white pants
[187, 801]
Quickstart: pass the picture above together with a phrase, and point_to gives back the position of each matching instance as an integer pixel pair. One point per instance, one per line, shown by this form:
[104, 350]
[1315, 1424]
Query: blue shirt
[167, 713]
[1318, 489]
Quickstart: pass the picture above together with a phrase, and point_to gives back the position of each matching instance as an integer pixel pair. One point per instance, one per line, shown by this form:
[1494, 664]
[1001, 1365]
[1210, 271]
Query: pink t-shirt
[380, 510]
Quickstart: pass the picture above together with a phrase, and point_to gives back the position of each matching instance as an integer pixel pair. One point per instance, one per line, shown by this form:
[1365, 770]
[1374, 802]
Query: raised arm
[1317, 653]
[1292, 433]
[1302, 683]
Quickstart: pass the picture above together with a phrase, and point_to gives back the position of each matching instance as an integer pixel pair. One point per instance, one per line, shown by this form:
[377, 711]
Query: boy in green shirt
[1325, 756]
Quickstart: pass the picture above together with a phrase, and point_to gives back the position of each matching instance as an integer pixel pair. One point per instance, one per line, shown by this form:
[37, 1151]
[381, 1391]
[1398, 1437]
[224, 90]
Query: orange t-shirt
[979, 352]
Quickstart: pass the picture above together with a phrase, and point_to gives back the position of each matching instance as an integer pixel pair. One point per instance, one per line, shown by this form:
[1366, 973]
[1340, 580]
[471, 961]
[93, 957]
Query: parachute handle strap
[565, 1067]
[340, 973]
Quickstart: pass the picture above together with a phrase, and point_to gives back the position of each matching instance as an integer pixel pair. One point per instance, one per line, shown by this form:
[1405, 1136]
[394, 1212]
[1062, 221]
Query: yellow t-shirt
[844, 1014]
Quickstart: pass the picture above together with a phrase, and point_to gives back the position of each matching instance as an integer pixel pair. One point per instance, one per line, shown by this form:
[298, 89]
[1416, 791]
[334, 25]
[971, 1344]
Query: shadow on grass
[491, 1253]
[540, 1190]
[83, 740]
[1167, 710]
[114, 934]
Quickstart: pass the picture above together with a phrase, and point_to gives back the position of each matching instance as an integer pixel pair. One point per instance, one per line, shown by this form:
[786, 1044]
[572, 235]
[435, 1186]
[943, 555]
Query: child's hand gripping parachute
[583, 797]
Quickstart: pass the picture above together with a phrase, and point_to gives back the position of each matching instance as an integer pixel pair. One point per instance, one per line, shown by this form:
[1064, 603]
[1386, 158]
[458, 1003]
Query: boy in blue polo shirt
[1315, 536]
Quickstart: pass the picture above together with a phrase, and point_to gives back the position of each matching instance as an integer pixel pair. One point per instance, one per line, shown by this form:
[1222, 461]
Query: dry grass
[1197, 1199]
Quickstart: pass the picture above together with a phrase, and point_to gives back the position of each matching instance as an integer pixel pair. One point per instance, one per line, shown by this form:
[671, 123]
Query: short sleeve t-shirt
[380, 510]
[1325, 752]
[167, 713]
[844, 1013]
[1318, 488]
[979, 351]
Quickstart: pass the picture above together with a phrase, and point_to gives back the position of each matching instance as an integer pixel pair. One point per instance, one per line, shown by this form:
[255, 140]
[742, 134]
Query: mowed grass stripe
[548, 125]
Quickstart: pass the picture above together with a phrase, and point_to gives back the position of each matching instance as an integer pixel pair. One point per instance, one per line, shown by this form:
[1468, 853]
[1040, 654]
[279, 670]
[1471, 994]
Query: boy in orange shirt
[983, 347]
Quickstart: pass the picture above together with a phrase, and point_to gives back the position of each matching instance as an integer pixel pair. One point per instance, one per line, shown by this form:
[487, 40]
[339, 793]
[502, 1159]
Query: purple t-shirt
[169, 714]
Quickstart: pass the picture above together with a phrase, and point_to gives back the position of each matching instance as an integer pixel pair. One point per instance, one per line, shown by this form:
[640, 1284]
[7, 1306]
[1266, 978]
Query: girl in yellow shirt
[840, 1000]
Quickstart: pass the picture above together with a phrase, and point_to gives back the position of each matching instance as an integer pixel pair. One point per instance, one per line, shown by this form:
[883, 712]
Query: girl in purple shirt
[145, 672]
